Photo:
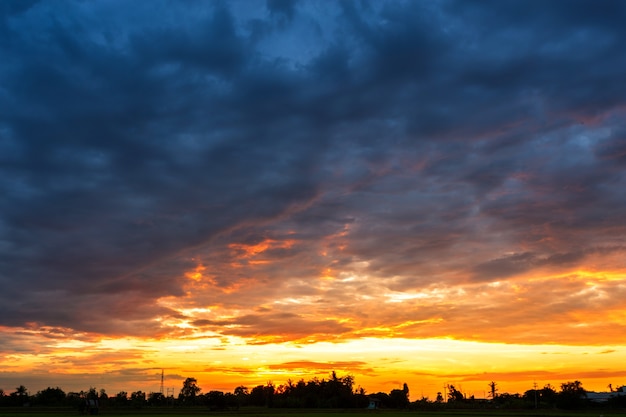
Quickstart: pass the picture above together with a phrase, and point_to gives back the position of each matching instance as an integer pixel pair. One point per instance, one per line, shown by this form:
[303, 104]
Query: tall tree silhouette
[493, 390]
[189, 391]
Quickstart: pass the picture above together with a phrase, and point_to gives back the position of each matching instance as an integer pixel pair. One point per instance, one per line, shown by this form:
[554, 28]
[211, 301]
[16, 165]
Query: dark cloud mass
[396, 145]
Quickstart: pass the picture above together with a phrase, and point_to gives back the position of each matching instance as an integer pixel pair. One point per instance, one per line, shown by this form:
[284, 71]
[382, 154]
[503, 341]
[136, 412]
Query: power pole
[535, 386]
[162, 377]
[170, 396]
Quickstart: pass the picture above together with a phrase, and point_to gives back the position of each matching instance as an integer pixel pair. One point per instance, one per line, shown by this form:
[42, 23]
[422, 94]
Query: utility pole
[535, 386]
[162, 377]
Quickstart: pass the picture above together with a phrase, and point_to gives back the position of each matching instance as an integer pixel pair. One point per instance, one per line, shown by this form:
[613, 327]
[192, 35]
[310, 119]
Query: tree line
[333, 392]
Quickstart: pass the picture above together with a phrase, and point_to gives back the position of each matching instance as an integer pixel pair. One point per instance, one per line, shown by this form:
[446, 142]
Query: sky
[249, 191]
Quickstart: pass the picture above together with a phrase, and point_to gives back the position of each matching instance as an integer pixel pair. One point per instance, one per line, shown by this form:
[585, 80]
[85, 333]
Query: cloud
[533, 375]
[318, 366]
[316, 164]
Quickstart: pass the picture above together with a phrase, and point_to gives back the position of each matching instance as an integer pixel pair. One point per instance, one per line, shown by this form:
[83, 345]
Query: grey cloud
[424, 130]
[284, 8]
[514, 264]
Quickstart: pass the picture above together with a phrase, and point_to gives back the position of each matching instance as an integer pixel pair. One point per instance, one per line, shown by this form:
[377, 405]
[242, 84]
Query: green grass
[264, 412]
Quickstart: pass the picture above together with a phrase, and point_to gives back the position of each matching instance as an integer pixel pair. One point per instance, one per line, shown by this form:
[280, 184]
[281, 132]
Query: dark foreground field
[264, 412]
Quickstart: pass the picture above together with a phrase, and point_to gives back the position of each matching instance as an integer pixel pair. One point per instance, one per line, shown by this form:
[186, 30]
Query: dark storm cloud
[518, 263]
[284, 8]
[134, 134]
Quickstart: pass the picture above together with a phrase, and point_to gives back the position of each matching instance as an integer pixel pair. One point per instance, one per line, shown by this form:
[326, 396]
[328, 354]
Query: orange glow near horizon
[545, 327]
[378, 364]
[381, 353]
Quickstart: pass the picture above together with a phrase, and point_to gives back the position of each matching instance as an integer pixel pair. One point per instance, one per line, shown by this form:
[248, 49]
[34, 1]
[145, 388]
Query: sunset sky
[426, 192]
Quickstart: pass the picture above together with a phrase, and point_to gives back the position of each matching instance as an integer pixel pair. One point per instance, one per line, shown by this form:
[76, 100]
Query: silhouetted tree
[571, 396]
[507, 400]
[269, 390]
[361, 400]
[50, 396]
[215, 400]
[334, 392]
[241, 394]
[257, 396]
[545, 397]
[92, 394]
[156, 399]
[384, 399]
[548, 395]
[189, 391]
[399, 398]
[19, 396]
[121, 398]
[138, 399]
[337, 391]
[232, 402]
[493, 390]
[103, 398]
[74, 399]
[262, 395]
[241, 391]
[454, 394]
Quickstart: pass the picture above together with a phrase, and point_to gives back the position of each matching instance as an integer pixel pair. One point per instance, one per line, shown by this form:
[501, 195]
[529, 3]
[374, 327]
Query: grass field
[192, 412]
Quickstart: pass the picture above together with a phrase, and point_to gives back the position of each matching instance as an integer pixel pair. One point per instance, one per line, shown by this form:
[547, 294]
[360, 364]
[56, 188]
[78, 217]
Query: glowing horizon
[426, 365]
[209, 344]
